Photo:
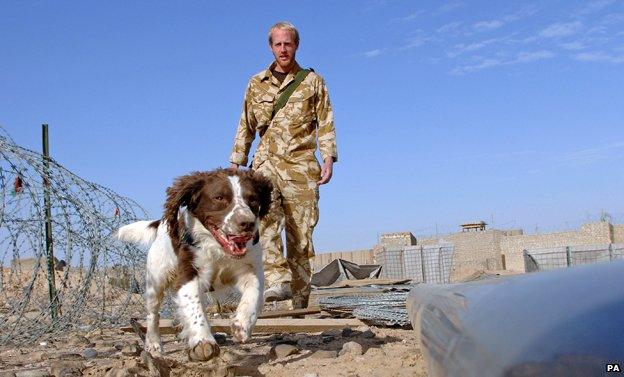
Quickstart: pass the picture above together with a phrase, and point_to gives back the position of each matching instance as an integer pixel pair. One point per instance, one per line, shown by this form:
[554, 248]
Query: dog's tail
[142, 232]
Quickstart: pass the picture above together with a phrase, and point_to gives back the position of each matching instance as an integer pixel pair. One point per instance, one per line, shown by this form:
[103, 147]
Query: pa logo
[614, 368]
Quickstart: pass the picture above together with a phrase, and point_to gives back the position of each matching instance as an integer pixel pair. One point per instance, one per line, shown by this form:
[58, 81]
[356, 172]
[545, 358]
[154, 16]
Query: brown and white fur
[207, 240]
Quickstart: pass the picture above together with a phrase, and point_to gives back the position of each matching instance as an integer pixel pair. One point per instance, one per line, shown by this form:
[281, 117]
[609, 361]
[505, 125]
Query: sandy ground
[111, 352]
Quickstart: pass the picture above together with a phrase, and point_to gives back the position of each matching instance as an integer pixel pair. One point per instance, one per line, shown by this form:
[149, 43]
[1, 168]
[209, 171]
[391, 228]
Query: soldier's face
[284, 48]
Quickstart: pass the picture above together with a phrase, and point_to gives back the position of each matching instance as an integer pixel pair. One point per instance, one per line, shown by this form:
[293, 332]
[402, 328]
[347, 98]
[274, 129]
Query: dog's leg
[191, 306]
[251, 288]
[154, 292]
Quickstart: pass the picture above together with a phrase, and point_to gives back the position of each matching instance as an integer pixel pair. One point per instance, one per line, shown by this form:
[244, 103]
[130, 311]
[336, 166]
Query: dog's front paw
[203, 351]
[241, 331]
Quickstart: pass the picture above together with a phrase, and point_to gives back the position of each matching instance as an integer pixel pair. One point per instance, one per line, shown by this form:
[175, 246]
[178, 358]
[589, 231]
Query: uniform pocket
[263, 108]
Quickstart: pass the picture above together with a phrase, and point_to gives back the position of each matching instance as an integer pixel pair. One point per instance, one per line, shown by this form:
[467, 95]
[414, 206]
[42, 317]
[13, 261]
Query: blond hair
[284, 25]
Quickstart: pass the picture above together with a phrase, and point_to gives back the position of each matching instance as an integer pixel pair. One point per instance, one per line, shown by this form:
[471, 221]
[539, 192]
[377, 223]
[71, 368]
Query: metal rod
[568, 256]
[48, 223]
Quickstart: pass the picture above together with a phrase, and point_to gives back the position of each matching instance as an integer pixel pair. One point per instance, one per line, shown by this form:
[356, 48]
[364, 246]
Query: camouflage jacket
[289, 140]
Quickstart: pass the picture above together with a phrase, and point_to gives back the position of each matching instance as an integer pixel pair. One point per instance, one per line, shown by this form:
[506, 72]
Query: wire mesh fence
[428, 264]
[568, 256]
[92, 280]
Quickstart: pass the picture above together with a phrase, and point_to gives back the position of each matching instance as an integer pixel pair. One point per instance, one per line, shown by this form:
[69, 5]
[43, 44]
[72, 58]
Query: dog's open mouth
[233, 244]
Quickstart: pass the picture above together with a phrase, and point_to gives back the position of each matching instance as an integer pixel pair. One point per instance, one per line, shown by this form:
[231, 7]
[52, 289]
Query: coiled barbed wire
[98, 280]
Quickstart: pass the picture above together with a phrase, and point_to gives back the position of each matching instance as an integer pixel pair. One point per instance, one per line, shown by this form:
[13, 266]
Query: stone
[89, 353]
[66, 368]
[368, 334]
[105, 351]
[374, 352]
[118, 372]
[324, 354]
[284, 350]
[7, 373]
[328, 338]
[347, 332]
[131, 350]
[32, 373]
[311, 375]
[351, 348]
[79, 340]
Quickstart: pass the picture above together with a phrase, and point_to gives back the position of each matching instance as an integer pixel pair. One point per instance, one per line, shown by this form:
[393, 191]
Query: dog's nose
[246, 225]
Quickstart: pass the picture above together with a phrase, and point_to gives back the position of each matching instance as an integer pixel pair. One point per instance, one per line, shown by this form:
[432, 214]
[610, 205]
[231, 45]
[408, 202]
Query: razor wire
[97, 279]
[383, 309]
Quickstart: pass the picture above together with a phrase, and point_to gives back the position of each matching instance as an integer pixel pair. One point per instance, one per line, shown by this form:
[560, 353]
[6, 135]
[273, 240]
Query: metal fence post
[48, 223]
[568, 256]
[422, 263]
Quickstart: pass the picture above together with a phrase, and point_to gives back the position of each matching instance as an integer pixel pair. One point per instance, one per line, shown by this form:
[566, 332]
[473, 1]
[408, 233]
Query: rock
[66, 368]
[351, 348]
[374, 352]
[7, 374]
[32, 373]
[324, 354]
[368, 334]
[43, 344]
[131, 350]
[347, 332]
[328, 338]
[311, 375]
[105, 351]
[89, 353]
[38, 356]
[284, 350]
[118, 372]
[78, 340]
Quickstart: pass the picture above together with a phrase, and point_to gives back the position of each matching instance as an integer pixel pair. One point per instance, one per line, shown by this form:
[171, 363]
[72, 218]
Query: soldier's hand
[234, 167]
[326, 171]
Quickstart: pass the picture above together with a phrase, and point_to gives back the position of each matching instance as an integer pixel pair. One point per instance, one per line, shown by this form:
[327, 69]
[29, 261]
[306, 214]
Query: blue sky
[446, 112]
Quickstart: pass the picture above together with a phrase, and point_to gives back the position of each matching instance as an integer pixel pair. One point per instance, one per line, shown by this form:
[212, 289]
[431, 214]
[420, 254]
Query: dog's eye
[219, 197]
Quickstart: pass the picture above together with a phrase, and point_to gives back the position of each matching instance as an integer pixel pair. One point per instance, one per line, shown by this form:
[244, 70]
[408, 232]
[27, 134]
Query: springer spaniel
[207, 240]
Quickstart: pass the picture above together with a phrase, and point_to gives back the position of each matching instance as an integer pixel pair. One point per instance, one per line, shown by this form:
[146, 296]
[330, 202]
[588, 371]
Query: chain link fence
[568, 256]
[428, 264]
[92, 280]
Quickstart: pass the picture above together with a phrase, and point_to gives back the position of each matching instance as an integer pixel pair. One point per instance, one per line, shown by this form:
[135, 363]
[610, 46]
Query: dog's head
[227, 203]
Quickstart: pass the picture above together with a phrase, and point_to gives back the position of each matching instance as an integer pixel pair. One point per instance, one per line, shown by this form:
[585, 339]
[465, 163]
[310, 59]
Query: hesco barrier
[429, 264]
[568, 256]
[92, 280]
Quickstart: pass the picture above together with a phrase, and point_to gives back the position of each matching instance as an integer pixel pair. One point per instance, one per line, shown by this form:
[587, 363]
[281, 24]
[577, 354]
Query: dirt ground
[113, 353]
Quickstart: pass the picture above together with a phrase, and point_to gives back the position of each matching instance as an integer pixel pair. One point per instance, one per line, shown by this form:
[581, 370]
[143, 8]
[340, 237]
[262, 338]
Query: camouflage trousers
[294, 207]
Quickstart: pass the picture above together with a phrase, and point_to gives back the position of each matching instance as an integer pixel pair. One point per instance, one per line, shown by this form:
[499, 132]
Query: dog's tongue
[238, 245]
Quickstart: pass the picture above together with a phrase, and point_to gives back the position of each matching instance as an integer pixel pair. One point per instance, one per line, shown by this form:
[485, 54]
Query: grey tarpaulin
[340, 269]
[566, 322]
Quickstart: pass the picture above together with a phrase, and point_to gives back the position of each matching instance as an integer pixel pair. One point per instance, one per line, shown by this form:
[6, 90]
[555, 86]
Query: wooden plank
[267, 325]
[289, 313]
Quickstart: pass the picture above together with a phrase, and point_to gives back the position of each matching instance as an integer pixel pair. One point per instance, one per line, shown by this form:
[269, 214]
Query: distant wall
[588, 234]
[491, 249]
[618, 233]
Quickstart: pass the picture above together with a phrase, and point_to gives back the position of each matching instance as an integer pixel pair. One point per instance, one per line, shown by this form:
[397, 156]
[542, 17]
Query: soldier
[289, 108]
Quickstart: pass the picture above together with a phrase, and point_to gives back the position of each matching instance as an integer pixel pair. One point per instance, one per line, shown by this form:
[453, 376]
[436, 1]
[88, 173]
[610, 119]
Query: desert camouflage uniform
[285, 154]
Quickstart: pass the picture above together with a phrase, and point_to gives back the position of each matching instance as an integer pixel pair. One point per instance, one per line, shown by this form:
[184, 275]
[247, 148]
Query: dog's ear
[265, 188]
[183, 192]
